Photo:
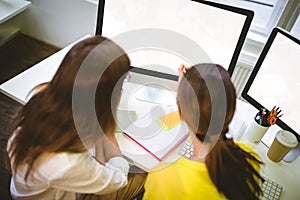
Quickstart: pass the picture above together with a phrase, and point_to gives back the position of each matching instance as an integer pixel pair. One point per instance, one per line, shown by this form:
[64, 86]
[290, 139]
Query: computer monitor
[220, 30]
[275, 79]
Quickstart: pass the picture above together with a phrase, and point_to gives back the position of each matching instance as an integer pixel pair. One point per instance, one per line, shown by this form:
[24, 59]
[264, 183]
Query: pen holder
[255, 132]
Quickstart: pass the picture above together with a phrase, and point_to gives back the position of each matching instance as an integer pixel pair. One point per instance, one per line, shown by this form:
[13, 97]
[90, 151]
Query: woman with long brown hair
[219, 167]
[70, 114]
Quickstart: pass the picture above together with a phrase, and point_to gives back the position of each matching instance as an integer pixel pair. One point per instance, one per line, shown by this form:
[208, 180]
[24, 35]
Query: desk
[286, 174]
[19, 86]
[8, 9]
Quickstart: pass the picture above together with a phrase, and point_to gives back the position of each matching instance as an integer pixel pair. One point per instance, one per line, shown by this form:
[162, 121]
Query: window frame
[255, 42]
[273, 20]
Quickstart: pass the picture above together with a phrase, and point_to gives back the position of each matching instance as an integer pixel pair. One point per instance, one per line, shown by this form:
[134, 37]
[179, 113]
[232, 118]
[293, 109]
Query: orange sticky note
[169, 120]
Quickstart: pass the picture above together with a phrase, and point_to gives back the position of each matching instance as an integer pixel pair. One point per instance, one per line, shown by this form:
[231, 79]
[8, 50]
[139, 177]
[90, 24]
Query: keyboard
[186, 150]
[271, 190]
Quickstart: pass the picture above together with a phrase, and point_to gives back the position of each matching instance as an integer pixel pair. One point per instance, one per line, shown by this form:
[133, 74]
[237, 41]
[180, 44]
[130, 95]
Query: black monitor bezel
[248, 13]
[256, 68]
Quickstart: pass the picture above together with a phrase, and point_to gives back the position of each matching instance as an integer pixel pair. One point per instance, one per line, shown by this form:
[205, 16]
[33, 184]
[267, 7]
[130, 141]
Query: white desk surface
[19, 86]
[10, 8]
[285, 174]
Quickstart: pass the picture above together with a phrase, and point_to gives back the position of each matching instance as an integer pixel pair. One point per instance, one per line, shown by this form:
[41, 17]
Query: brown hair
[228, 165]
[47, 121]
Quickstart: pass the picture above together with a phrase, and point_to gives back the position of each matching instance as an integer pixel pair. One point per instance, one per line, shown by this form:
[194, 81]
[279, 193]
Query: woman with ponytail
[219, 167]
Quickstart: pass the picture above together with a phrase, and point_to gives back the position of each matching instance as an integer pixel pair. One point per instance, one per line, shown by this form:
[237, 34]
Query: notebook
[159, 142]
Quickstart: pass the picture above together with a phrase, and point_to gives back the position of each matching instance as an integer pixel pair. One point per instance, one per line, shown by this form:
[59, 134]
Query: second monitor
[275, 81]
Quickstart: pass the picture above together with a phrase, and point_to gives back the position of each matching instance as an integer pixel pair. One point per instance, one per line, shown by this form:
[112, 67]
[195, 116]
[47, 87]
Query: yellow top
[183, 180]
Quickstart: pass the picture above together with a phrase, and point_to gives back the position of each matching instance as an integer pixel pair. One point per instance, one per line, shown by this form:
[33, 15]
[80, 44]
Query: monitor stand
[156, 94]
[292, 154]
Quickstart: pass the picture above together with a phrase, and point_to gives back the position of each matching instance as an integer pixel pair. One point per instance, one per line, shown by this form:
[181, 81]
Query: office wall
[57, 22]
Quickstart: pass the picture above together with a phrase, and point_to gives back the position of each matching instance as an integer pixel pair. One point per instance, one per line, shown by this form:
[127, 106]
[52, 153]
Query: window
[296, 28]
[266, 13]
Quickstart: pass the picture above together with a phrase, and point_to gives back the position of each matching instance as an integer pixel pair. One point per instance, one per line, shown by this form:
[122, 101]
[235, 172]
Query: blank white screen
[277, 81]
[216, 30]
